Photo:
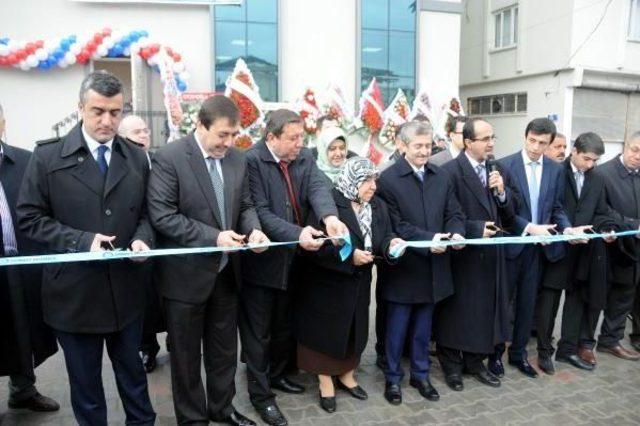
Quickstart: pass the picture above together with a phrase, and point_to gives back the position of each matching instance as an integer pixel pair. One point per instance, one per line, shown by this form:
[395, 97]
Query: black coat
[184, 210]
[623, 196]
[64, 201]
[475, 317]
[584, 265]
[26, 341]
[269, 193]
[418, 211]
[334, 300]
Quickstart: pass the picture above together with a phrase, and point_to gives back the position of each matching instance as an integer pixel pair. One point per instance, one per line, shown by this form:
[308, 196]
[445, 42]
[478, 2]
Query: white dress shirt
[527, 168]
[93, 145]
[218, 161]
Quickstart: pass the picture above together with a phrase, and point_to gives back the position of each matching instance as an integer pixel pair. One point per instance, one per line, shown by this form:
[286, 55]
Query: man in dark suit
[198, 197]
[286, 186]
[423, 206]
[471, 322]
[453, 127]
[581, 272]
[80, 193]
[25, 340]
[134, 128]
[622, 182]
[540, 181]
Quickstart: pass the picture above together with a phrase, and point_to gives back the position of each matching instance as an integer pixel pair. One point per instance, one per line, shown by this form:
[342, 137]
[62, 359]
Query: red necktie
[284, 166]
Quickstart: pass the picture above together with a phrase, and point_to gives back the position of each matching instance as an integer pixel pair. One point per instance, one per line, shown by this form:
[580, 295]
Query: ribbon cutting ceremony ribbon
[345, 251]
[398, 250]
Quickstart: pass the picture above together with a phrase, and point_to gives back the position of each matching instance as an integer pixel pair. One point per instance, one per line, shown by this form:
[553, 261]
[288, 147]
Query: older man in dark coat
[471, 322]
[25, 340]
[80, 193]
[423, 206]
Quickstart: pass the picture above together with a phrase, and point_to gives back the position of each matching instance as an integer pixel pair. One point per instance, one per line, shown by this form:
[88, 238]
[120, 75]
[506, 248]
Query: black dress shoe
[285, 385]
[525, 368]
[37, 402]
[486, 377]
[393, 393]
[328, 403]
[426, 389]
[381, 362]
[546, 365]
[148, 361]
[237, 419]
[496, 367]
[357, 392]
[454, 381]
[576, 361]
[272, 415]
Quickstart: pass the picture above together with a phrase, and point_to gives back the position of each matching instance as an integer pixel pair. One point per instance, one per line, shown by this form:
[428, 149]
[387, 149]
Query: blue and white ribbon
[345, 251]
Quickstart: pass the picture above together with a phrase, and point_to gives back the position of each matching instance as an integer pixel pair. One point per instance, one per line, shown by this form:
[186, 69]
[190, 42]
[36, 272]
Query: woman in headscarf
[332, 151]
[332, 307]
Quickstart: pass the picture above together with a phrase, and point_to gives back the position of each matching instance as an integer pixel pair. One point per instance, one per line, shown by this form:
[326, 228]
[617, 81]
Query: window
[506, 27]
[634, 20]
[510, 103]
[248, 31]
[388, 39]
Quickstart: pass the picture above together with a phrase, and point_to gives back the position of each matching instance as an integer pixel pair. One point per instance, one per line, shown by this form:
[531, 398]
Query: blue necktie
[482, 174]
[420, 175]
[102, 160]
[534, 192]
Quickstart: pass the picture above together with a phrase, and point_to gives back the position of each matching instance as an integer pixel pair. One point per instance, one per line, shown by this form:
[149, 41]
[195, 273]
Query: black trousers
[83, 357]
[635, 317]
[211, 326]
[579, 322]
[455, 361]
[381, 321]
[266, 335]
[547, 309]
[619, 304]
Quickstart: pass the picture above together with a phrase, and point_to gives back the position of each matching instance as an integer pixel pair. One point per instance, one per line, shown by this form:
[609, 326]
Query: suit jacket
[26, 340]
[185, 213]
[441, 158]
[584, 265]
[475, 317]
[269, 192]
[418, 211]
[623, 196]
[64, 201]
[550, 210]
[332, 307]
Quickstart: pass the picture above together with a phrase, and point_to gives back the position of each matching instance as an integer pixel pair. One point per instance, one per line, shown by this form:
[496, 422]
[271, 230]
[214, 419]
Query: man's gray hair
[634, 136]
[409, 131]
[102, 82]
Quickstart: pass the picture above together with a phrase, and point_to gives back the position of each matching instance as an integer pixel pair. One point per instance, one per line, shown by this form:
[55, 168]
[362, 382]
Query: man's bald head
[133, 127]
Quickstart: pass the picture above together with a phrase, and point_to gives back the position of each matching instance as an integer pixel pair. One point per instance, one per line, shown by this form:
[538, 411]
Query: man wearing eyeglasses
[540, 212]
[453, 127]
[471, 322]
[135, 129]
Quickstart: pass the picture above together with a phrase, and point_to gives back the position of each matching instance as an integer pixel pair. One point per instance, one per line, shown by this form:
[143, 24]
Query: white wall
[318, 45]
[33, 101]
[438, 56]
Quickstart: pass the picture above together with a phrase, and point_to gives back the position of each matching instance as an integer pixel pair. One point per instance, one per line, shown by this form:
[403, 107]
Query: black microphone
[492, 166]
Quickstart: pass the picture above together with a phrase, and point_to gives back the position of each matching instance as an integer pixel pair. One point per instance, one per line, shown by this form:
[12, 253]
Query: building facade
[289, 45]
[575, 61]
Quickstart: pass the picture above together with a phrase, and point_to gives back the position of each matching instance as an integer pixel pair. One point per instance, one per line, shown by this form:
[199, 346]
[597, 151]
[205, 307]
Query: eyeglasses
[487, 139]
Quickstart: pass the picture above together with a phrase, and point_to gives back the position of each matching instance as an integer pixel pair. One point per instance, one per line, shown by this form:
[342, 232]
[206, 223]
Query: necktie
[284, 167]
[420, 175]
[579, 176]
[102, 160]
[8, 242]
[480, 171]
[534, 191]
[218, 189]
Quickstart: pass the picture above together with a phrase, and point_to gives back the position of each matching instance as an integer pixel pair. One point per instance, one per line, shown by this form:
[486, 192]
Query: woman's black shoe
[356, 391]
[327, 403]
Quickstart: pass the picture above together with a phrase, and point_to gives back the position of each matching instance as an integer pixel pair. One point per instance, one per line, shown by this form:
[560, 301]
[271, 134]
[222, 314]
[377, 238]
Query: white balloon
[13, 45]
[96, 55]
[143, 41]
[50, 45]
[24, 66]
[108, 42]
[4, 50]
[134, 48]
[41, 54]
[152, 61]
[62, 63]
[178, 67]
[185, 76]
[32, 60]
[75, 48]
[70, 58]
[126, 51]
[102, 50]
[117, 35]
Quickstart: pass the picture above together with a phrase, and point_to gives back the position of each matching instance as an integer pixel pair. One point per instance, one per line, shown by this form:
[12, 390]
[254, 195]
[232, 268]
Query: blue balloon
[125, 42]
[65, 43]
[117, 49]
[44, 65]
[156, 68]
[135, 35]
[182, 86]
[144, 33]
[4, 40]
[58, 54]
[73, 38]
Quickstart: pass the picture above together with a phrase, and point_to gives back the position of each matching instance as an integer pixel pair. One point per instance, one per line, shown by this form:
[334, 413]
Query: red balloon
[82, 58]
[177, 57]
[12, 59]
[145, 53]
[21, 54]
[91, 45]
[98, 38]
[3, 61]
[154, 48]
[30, 48]
[106, 31]
[39, 43]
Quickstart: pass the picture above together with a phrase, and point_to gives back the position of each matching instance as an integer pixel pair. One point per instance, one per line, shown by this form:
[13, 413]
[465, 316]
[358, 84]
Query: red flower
[248, 111]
